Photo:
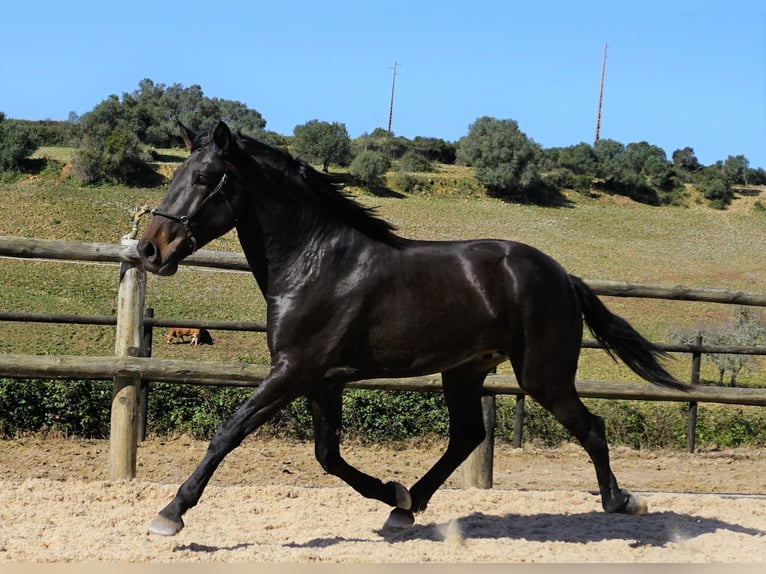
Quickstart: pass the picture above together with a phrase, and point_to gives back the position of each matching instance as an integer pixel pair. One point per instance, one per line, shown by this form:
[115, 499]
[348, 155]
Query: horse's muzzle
[153, 261]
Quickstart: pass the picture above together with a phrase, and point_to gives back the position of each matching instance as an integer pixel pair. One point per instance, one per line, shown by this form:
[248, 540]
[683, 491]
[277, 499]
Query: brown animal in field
[197, 335]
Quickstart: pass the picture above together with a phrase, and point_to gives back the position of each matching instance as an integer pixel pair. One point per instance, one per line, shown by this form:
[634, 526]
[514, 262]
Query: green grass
[606, 237]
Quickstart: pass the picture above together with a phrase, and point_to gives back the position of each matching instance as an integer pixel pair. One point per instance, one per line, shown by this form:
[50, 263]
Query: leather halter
[185, 220]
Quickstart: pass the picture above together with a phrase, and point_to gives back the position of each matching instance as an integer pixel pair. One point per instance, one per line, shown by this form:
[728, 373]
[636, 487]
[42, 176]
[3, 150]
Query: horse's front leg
[276, 391]
[326, 411]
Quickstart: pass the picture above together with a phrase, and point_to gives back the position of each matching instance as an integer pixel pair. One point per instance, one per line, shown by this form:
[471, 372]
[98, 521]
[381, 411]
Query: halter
[185, 220]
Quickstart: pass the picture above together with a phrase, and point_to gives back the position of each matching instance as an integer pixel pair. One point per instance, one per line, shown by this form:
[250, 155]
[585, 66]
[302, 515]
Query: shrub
[193, 410]
[409, 183]
[504, 159]
[82, 408]
[414, 161]
[368, 168]
[69, 407]
[539, 426]
[389, 416]
[17, 143]
[115, 158]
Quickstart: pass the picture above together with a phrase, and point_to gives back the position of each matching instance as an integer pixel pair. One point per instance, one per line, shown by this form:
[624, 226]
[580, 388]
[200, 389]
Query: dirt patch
[271, 501]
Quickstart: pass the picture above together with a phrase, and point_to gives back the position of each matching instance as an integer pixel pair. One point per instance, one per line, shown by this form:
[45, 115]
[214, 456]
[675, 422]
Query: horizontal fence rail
[26, 317]
[249, 375]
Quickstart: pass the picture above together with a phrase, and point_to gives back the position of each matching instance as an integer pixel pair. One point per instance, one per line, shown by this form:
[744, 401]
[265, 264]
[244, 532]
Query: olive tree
[504, 158]
[323, 142]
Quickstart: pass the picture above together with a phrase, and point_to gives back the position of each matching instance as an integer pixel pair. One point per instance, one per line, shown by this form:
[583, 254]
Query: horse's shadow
[204, 548]
[655, 529]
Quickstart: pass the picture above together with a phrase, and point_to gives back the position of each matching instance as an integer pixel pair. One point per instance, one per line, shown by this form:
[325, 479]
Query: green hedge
[81, 408]
[70, 407]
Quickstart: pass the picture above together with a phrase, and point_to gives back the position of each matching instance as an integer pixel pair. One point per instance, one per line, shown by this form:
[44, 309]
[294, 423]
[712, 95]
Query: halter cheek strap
[185, 220]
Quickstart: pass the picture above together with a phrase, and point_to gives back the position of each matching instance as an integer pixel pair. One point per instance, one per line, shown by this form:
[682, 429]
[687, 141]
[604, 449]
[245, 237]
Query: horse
[198, 336]
[350, 299]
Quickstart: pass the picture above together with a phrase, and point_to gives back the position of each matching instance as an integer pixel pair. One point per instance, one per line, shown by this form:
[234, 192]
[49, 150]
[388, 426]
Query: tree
[651, 164]
[685, 161]
[152, 111]
[238, 116]
[714, 186]
[17, 143]
[735, 169]
[434, 149]
[504, 159]
[580, 159]
[104, 118]
[387, 144]
[148, 116]
[368, 167]
[639, 170]
[323, 142]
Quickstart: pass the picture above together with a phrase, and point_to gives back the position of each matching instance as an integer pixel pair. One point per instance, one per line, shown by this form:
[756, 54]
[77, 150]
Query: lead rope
[138, 212]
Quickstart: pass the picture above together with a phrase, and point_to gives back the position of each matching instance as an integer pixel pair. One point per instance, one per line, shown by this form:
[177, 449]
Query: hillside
[596, 237]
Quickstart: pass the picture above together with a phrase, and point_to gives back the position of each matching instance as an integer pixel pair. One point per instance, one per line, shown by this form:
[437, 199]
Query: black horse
[348, 299]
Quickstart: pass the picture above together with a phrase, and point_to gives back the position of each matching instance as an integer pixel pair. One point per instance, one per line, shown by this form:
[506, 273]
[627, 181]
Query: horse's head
[200, 204]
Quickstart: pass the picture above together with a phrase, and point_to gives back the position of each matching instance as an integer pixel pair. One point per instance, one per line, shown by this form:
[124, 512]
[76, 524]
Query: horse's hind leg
[553, 387]
[462, 393]
[326, 411]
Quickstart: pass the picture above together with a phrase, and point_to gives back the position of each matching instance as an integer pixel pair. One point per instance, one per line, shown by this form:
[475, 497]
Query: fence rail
[248, 375]
[129, 370]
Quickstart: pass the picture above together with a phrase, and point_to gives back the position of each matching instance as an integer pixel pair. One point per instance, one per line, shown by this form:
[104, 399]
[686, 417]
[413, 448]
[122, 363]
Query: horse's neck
[251, 240]
[280, 242]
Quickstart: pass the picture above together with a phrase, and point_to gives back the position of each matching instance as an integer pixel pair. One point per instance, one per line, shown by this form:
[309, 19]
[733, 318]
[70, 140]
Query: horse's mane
[293, 178]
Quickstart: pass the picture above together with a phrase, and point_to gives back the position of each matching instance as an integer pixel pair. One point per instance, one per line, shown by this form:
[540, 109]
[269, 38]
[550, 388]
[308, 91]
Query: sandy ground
[270, 501]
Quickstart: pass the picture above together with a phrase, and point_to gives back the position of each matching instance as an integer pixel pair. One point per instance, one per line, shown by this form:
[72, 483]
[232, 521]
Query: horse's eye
[201, 179]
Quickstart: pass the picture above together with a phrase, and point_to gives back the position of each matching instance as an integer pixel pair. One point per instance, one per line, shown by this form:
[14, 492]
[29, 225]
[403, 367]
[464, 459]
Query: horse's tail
[618, 337]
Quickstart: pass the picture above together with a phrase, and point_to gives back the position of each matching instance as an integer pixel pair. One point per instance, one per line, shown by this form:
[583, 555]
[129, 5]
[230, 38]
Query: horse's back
[438, 304]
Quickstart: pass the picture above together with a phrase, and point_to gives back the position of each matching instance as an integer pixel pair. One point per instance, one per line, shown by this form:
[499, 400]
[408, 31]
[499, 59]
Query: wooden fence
[129, 367]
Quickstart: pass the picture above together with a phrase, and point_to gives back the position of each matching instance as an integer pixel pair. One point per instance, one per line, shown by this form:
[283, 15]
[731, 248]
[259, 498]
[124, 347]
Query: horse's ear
[187, 135]
[222, 137]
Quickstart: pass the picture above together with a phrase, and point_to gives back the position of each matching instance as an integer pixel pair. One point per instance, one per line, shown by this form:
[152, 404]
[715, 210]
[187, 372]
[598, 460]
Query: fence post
[123, 433]
[691, 427]
[144, 395]
[476, 470]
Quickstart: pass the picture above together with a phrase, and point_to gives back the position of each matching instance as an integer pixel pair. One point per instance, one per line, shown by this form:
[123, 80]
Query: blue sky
[677, 73]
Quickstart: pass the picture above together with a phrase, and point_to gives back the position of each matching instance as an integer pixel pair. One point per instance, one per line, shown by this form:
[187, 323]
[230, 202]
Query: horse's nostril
[147, 250]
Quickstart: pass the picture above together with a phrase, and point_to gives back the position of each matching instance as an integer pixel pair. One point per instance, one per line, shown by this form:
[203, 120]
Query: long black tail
[619, 338]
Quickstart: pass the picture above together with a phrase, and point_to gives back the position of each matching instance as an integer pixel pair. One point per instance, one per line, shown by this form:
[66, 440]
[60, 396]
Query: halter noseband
[185, 220]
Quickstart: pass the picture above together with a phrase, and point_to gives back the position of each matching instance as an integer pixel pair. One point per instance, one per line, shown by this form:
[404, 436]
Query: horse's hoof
[403, 498]
[399, 519]
[635, 504]
[164, 526]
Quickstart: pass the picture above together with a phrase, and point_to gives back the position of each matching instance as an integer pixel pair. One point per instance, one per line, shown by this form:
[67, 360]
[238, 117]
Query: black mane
[295, 179]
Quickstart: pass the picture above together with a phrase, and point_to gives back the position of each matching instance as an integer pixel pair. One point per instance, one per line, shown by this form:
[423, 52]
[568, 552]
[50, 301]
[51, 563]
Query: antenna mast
[600, 96]
[391, 106]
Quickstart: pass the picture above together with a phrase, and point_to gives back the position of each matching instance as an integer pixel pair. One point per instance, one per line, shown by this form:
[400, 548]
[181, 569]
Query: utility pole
[600, 96]
[391, 106]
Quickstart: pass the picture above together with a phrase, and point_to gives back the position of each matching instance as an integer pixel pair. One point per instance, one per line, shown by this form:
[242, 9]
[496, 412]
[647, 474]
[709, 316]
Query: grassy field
[604, 237]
